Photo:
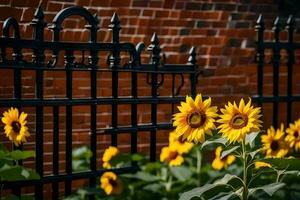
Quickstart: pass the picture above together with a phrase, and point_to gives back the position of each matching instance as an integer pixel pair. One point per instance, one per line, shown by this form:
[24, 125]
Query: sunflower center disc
[113, 182]
[239, 121]
[296, 134]
[196, 120]
[173, 155]
[274, 145]
[16, 126]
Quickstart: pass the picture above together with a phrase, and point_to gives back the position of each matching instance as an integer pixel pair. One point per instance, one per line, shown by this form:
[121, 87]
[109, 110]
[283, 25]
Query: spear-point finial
[115, 22]
[115, 27]
[192, 58]
[276, 28]
[155, 48]
[96, 17]
[276, 25]
[260, 22]
[39, 14]
[38, 24]
[39, 17]
[290, 22]
[154, 39]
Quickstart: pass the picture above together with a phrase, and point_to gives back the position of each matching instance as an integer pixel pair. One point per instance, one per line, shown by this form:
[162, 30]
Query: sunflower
[274, 144]
[15, 126]
[237, 121]
[219, 163]
[109, 153]
[110, 183]
[182, 147]
[293, 135]
[260, 164]
[171, 155]
[195, 119]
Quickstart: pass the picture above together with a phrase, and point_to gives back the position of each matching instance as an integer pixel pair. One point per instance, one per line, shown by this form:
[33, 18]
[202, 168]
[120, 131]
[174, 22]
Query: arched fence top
[74, 11]
[6, 26]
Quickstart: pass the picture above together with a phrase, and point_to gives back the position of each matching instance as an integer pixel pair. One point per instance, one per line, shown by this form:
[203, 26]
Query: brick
[6, 12]
[193, 6]
[102, 3]
[123, 3]
[28, 14]
[140, 3]
[54, 7]
[169, 3]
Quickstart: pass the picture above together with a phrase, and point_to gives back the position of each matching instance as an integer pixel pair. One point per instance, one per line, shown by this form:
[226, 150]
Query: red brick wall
[222, 30]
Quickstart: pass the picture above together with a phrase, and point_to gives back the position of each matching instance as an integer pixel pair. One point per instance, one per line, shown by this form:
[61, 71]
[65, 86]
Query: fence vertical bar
[193, 76]
[55, 157]
[69, 59]
[134, 95]
[154, 47]
[114, 60]
[290, 63]
[93, 61]
[276, 63]
[260, 56]
[38, 57]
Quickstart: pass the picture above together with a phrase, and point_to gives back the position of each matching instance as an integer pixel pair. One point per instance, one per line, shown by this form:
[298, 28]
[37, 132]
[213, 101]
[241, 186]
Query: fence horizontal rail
[62, 177]
[89, 101]
[144, 68]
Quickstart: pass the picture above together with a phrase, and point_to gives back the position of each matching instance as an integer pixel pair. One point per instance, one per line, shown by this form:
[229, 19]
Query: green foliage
[156, 180]
[81, 158]
[11, 171]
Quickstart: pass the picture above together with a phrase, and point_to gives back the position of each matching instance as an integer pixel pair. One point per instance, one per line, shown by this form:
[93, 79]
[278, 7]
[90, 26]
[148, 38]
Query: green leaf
[11, 197]
[17, 173]
[269, 189]
[250, 138]
[144, 176]
[137, 157]
[182, 173]
[293, 172]
[199, 191]
[82, 153]
[254, 153]
[154, 187]
[3, 148]
[283, 163]
[21, 155]
[14, 197]
[30, 174]
[80, 165]
[229, 151]
[226, 179]
[218, 141]
[224, 196]
[152, 166]
[120, 158]
[3, 154]
[11, 173]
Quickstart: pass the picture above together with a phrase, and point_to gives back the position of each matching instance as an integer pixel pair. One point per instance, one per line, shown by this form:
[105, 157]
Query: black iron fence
[155, 71]
[276, 46]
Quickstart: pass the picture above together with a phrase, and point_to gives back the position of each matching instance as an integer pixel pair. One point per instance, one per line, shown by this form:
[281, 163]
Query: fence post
[155, 49]
[193, 76]
[276, 63]
[114, 61]
[260, 56]
[291, 59]
[38, 57]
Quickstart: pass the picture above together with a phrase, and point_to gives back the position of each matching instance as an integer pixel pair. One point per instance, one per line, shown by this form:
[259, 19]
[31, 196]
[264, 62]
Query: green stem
[169, 183]
[199, 164]
[245, 172]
